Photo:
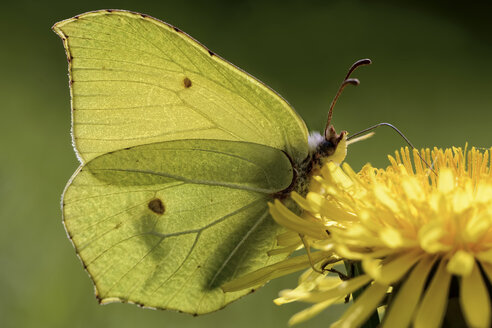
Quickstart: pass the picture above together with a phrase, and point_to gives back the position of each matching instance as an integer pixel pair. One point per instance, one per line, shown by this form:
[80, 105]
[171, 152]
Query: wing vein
[236, 248]
[195, 181]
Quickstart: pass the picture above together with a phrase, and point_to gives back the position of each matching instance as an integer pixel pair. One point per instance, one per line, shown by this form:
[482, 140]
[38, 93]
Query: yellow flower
[415, 230]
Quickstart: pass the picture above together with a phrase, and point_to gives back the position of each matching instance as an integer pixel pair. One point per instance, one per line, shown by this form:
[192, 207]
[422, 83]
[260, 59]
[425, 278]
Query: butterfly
[180, 154]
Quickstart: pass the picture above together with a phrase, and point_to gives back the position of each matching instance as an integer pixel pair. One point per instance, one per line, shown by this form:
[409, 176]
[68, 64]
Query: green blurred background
[430, 77]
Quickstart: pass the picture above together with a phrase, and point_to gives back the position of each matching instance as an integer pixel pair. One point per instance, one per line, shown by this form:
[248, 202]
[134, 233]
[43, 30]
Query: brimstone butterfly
[180, 153]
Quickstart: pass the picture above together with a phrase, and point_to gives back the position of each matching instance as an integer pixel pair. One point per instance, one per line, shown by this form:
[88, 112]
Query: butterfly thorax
[331, 147]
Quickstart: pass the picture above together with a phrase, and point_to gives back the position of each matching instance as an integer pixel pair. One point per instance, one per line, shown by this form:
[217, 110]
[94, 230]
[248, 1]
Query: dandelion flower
[422, 237]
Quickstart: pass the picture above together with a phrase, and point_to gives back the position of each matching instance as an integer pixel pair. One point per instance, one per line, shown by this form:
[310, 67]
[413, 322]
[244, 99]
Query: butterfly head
[330, 147]
[334, 146]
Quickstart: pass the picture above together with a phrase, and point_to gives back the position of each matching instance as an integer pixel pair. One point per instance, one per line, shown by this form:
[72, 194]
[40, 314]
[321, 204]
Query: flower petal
[430, 235]
[385, 197]
[363, 307]
[402, 308]
[310, 311]
[393, 270]
[391, 237]
[487, 267]
[309, 281]
[461, 263]
[433, 306]
[289, 250]
[285, 217]
[288, 238]
[265, 274]
[341, 290]
[412, 189]
[474, 299]
[446, 182]
[485, 256]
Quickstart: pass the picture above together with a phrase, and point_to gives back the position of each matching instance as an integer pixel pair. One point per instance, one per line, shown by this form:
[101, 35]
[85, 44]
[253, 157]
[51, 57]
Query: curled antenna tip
[365, 61]
[351, 81]
[360, 62]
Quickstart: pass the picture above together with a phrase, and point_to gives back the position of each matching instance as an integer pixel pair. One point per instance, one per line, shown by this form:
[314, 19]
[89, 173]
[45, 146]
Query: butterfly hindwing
[165, 224]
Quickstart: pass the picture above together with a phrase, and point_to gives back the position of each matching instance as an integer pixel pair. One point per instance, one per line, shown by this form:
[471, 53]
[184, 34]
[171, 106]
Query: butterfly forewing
[136, 80]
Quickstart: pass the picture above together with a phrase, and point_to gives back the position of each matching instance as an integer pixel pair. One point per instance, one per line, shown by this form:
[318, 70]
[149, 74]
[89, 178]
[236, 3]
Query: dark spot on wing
[156, 206]
[76, 17]
[210, 53]
[109, 10]
[187, 82]
[176, 29]
[143, 15]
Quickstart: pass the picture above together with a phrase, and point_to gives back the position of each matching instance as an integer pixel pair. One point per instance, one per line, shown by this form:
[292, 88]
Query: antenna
[374, 127]
[346, 81]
